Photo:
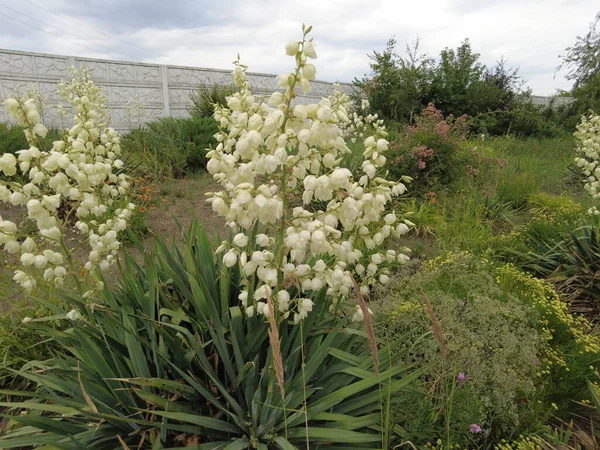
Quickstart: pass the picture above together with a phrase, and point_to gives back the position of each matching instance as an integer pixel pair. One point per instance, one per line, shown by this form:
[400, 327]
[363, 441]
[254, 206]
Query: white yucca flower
[274, 154]
[76, 181]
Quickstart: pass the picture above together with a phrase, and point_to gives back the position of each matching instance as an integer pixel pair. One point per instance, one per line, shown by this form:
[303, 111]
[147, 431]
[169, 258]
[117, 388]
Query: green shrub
[430, 151]
[517, 188]
[457, 83]
[548, 206]
[204, 99]
[170, 147]
[572, 352]
[167, 359]
[12, 139]
[564, 249]
[19, 344]
[489, 337]
[514, 355]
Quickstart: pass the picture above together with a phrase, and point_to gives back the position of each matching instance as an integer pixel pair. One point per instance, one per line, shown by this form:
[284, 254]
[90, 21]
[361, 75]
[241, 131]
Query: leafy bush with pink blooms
[431, 150]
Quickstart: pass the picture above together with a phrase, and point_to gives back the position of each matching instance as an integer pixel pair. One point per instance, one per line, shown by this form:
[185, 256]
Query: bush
[458, 84]
[489, 337]
[549, 206]
[566, 251]
[508, 343]
[204, 99]
[19, 344]
[171, 147]
[167, 359]
[12, 139]
[572, 352]
[431, 149]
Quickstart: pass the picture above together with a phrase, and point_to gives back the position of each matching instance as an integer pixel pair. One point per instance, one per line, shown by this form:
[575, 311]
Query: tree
[456, 83]
[398, 87]
[583, 61]
[583, 58]
[458, 76]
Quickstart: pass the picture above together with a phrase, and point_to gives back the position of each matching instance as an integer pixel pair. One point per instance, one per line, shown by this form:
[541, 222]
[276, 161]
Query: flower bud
[11, 105]
[277, 98]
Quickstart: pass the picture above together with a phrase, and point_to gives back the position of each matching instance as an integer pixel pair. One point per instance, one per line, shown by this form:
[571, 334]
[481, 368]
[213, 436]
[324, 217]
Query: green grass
[535, 164]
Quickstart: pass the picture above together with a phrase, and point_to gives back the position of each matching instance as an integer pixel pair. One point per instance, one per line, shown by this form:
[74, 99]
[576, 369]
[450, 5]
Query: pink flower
[475, 429]
[421, 164]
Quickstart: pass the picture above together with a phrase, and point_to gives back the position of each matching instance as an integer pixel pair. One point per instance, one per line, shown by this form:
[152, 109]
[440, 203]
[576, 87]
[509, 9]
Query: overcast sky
[531, 34]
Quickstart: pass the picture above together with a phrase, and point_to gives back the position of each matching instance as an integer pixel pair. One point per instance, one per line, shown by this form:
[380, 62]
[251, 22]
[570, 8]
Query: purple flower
[461, 376]
[475, 429]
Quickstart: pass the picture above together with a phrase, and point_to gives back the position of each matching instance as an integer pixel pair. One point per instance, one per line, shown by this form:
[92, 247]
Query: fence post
[164, 74]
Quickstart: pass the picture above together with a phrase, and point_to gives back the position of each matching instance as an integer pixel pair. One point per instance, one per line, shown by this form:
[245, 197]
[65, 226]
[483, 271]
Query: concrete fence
[163, 90]
[550, 101]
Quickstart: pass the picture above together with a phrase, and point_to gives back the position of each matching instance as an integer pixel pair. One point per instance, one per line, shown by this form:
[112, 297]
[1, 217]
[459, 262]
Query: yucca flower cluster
[76, 185]
[362, 123]
[301, 222]
[587, 137]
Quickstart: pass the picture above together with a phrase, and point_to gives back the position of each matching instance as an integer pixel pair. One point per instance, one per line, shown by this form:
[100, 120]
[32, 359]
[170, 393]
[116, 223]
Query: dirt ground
[183, 201]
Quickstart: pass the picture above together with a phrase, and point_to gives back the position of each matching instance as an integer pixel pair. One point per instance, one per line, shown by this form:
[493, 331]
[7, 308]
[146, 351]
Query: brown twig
[368, 326]
[437, 329]
[276, 347]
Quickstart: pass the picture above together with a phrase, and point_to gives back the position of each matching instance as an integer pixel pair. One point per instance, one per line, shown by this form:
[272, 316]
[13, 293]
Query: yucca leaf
[202, 422]
[333, 435]
[238, 444]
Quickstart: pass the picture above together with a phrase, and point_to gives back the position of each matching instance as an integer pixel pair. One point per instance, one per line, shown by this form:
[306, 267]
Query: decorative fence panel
[163, 90]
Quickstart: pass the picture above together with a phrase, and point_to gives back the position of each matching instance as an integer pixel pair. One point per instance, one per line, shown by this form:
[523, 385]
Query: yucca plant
[167, 359]
[568, 254]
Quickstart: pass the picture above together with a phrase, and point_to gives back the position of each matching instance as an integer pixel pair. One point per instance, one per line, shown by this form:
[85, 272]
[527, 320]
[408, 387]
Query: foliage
[458, 84]
[564, 250]
[522, 167]
[431, 150]
[484, 370]
[204, 99]
[549, 206]
[12, 139]
[19, 344]
[506, 353]
[167, 359]
[170, 147]
[398, 87]
[583, 61]
[470, 220]
[517, 190]
[76, 186]
[573, 353]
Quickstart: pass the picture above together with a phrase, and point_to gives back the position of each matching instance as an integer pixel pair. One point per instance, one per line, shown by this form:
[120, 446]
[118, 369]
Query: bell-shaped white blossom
[77, 181]
[322, 226]
[587, 137]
